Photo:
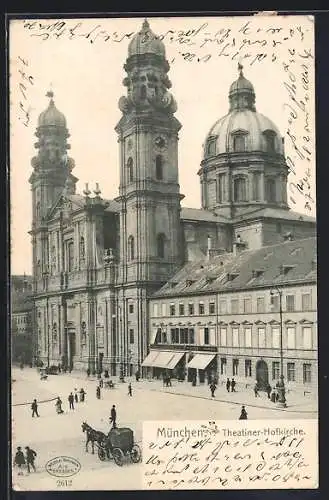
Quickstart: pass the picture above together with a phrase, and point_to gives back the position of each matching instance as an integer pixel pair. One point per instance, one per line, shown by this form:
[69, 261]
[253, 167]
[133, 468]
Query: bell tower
[51, 174]
[150, 229]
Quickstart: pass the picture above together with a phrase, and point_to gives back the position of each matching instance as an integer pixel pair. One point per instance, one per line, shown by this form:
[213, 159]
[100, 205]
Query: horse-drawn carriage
[118, 445]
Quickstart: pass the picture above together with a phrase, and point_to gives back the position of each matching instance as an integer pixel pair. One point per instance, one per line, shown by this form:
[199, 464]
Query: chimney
[209, 247]
[238, 245]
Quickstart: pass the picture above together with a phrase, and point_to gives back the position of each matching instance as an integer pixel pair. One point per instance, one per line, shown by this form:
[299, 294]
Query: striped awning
[201, 361]
[173, 362]
[163, 359]
[150, 358]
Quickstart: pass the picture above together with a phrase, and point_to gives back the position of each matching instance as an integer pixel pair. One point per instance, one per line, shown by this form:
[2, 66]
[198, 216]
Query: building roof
[274, 213]
[51, 117]
[146, 42]
[281, 264]
[197, 214]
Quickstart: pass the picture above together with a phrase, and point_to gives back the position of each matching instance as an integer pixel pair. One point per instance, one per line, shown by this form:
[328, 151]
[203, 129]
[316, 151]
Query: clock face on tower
[160, 142]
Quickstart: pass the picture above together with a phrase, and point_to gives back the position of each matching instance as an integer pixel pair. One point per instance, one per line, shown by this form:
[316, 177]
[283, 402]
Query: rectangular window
[155, 310]
[183, 335]
[290, 303]
[291, 372]
[247, 305]
[223, 336]
[164, 309]
[191, 309]
[174, 335]
[307, 337]
[131, 308]
[260, 304]
[220, 188]
[306, 302]
[172, 310]
[247, 336]
[131, 336]
[247, 367]
[256, 186]
[163, 336]
[275, 370]
[261, 338]
[235, 306]
[223, 365]
[212, 336]
[191, 338]
[307, 373]
[211, 307]
[206, 335]
[181, 310]
[291, 338]
[201, 308]
[275, 303]
[223, 307]
[235, 367]
[235, 335]
[276, 338]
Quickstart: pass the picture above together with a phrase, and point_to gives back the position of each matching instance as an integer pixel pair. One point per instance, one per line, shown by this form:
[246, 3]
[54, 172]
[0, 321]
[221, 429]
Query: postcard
[164, 261]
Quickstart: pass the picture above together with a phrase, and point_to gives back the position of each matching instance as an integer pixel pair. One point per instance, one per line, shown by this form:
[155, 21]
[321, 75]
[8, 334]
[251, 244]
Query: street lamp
[280, 385]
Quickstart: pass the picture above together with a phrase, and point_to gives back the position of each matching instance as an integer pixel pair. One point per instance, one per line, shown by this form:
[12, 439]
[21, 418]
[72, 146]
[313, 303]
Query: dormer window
[239, 143]
[256, 273]
[211, 146]
[232, 276]
[284, 269]
[270, 140]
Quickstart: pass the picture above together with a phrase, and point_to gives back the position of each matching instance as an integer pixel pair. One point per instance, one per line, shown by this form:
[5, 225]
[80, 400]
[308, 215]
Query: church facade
[97, 262]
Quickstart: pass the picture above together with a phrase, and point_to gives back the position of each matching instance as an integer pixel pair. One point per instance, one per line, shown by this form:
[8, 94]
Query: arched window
[161, 245]
[239, 142]
[240, 189]
[159, 168]
[70, 256]
[130, 167]
[270, 190]
[82, 248]
[38, 210]
[143, 92]
[131, 248]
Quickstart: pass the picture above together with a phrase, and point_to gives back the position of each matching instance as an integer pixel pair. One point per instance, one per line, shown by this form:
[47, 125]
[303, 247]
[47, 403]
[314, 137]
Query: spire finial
[86, 191]
[240, 69]
[50, 94]
[145, 24]
[97, 191]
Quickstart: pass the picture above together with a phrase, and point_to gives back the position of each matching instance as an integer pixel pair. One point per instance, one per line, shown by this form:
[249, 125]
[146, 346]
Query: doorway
[262, 374]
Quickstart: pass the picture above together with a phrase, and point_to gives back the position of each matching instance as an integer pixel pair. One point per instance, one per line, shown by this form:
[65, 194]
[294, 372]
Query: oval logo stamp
[63, 466]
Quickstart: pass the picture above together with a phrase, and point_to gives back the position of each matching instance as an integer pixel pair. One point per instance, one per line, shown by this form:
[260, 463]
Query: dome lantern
[146, 42]
[242, 93]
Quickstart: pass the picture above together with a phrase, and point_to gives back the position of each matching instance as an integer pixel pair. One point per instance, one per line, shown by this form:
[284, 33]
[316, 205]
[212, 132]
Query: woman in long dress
[58, 405]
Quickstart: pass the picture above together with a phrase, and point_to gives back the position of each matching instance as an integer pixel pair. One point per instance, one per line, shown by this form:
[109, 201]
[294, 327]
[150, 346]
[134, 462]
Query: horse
[92, 436]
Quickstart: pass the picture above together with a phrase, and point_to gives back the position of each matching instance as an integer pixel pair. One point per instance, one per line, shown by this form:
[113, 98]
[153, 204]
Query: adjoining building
[21, 319]
[220, 318]
[96, 262]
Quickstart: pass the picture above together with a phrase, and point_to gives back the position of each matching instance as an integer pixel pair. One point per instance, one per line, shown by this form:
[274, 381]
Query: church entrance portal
[262, 374]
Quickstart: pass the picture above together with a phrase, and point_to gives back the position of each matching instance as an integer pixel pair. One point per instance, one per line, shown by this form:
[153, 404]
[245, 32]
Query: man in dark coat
[212, 389]
[19, 460]
[98, 392]
[34, 408]
[130, 391]
[30, 457]
[228, 385]
[113, 418]
[71, 401]
[233, 384]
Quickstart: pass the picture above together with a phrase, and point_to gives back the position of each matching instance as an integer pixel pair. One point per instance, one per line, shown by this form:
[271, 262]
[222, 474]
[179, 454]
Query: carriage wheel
[118, 456]
[101, 454]
[136, 454]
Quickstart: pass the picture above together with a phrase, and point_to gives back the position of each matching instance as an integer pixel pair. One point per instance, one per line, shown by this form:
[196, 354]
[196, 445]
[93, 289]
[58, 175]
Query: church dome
[243, 129]
[146, 42]
[51, 116]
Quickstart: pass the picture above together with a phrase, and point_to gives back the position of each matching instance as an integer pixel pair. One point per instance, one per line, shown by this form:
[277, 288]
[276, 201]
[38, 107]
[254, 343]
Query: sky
[82, 60]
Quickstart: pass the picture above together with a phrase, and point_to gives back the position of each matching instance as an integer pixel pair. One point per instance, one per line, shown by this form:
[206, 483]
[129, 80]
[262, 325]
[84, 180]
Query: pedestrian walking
[130, 392]
[113, 418]
[256, 390]
[98, 392]
[71, 401]
[233, 384]
[76, 398]
[82, 395]
[273, 395]
[88, 372]
[212, 389]
[19, 460]
[269, 390]
[58, 405]
[101, 383]
[228, 385]
[244, 414]
[30, 457]
[137, 375]
[34, 408]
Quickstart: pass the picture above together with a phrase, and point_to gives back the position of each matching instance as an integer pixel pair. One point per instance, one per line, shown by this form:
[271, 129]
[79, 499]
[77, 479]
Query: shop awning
[150, 358]
[173, 362]
[201, 361]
